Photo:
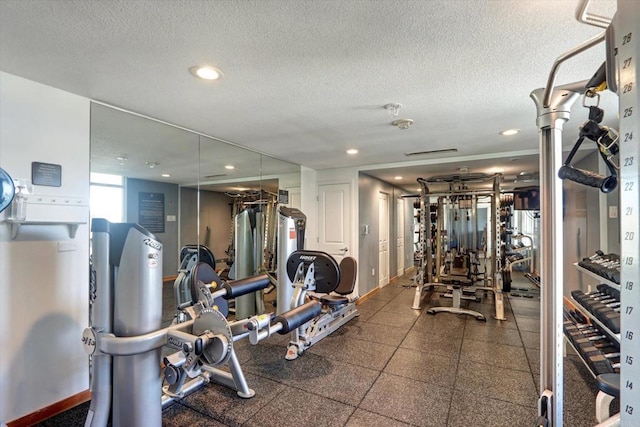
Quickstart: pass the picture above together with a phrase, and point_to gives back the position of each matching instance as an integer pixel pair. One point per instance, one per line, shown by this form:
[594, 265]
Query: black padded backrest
[204, 254]
[327, 271]
[348, 274]
[206, 274]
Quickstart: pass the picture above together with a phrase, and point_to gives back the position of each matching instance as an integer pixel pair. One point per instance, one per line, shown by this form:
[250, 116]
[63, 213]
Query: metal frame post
[550, 121]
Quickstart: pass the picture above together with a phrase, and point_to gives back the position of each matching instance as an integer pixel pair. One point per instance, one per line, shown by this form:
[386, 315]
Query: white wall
[44, 291]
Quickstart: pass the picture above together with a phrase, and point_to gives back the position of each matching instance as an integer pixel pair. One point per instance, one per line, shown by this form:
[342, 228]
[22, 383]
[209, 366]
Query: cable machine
[619, 74]
[456, 212]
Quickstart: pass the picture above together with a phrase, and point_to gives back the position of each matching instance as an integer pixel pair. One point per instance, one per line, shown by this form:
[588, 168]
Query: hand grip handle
[291, 319]
[240, 287]
[606, 184]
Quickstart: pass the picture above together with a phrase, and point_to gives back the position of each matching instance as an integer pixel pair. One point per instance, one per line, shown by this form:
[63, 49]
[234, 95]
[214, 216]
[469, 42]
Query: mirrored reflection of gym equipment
[455, 240]
[252, 248]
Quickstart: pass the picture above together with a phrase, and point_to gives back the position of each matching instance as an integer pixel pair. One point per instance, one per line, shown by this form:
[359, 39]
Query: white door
[383, 239]
[334, 234]
[400, 236]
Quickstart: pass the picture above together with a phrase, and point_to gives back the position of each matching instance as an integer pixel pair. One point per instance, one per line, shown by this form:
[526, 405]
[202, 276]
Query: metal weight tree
[553, 108]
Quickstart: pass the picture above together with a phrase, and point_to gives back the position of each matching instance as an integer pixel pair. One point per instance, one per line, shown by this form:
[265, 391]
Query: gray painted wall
[368, 190]
[169, 238]
[582, 226]
[215, 220]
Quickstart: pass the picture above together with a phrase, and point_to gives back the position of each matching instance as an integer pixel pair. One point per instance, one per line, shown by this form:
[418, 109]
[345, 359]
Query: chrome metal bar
[569, 54]
[585, 17]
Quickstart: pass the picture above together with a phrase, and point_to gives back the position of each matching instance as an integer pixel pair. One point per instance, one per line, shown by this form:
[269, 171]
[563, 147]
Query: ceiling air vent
[421, 153]
[216, 176]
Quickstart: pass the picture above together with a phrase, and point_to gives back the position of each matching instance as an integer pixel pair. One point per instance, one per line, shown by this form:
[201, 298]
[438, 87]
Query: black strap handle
[606, 184]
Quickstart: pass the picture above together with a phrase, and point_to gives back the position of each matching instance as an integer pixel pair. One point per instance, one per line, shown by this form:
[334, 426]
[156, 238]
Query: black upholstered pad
[348, 273]
[327, 271]
[333, 300]
[610, 384]
[206, 274]
[204, 254]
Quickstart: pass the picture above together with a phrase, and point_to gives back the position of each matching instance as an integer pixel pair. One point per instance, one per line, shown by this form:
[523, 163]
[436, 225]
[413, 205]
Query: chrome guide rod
[550, 122]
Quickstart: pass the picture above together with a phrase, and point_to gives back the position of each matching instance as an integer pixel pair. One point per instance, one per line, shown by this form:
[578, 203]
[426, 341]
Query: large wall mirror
[184, 187]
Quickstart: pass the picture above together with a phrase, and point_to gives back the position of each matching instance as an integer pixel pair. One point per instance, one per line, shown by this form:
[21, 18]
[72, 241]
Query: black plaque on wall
[151, 211]
[47, 174]
[283, 197]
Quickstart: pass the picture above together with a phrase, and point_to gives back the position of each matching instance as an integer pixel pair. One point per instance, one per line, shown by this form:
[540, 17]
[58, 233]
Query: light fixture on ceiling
[397, 178]
[206, 72]
[122, 160]
[418, 189]
[393, 109]
[509, 132]
[151, 164]
[352, 151]
[230, 167]
[166, 175]
[403, 123]
[420, 153]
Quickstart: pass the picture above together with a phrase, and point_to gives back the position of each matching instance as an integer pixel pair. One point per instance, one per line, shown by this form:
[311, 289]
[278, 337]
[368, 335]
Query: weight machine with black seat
[124, 337]
[317, 275]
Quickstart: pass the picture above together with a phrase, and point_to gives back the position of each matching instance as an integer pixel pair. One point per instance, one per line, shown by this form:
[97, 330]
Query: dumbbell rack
[597, 276]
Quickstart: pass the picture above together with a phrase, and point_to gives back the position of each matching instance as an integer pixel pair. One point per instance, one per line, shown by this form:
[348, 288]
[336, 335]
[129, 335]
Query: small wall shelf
[72, 226]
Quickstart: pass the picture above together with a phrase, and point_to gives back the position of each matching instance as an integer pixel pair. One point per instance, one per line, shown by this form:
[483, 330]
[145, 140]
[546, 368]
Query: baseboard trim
[169, 278]
[51, 410]
[367, 296]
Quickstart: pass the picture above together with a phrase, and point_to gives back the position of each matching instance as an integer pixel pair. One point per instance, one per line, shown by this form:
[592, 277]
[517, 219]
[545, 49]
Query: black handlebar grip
[240, 287]
[606, 184]
[298, 316]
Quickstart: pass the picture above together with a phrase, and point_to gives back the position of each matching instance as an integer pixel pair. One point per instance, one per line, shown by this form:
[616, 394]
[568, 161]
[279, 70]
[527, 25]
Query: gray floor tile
[372, 304]
[354, 351]
[401, 308]
[533, 312]
[441, 324]
[530, 339]
[365, 313]
[429, 342]
[528, 324]
[579, 403]
[362, 418]
[388, 318]
[531, 303]
[470, 410]
[501, 355]
[223, 404]
[496, 382]
[295, 408]
[490, 333]
[405, 297]
[425, 367]
[374, 332]
[409, 401]
[489, 312]
[339, 381]
[179, 416]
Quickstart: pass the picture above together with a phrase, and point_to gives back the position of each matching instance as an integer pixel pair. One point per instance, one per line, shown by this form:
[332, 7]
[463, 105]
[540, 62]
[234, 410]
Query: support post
[550, 121]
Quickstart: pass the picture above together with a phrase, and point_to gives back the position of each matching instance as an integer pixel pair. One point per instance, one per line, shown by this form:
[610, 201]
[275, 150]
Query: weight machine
[456, 203]
[619, 74]
[124, 338]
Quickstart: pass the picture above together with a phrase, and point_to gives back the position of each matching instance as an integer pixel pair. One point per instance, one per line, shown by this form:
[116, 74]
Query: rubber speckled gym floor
[393, 366]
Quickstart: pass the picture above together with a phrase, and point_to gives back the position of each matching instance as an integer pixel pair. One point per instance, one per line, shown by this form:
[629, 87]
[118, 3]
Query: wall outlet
[373, 271]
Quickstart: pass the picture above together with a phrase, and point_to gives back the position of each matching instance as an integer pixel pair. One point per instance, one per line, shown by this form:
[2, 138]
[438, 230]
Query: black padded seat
[348, 273]
[609, 384]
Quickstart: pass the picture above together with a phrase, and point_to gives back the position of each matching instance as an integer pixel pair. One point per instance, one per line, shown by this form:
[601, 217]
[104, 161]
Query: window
[106, 197]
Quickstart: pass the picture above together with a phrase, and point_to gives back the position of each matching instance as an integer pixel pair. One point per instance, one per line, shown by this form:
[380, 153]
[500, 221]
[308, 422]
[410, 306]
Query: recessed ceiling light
[509, 132]
[206, 72]
[352, 151]
[166, 175]
[229, 167]
[151, 164]
[397, 177]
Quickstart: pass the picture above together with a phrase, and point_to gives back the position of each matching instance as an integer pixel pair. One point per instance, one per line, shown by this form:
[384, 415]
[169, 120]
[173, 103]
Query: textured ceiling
[305, 80]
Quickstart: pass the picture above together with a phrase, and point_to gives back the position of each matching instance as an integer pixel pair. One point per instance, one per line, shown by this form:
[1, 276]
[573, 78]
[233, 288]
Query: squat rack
[493, 283]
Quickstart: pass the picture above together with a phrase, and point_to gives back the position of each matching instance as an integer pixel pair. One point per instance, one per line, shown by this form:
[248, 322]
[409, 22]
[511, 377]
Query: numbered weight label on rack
[627, 32]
